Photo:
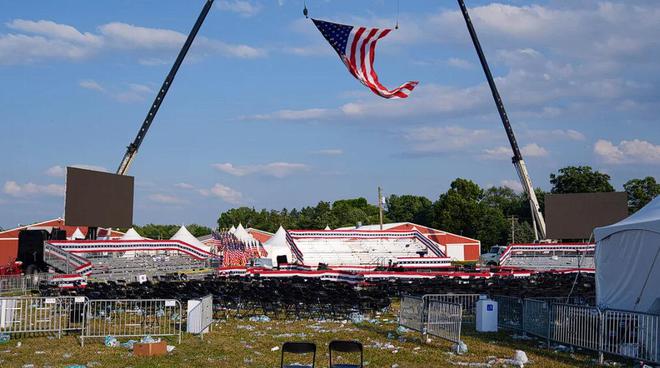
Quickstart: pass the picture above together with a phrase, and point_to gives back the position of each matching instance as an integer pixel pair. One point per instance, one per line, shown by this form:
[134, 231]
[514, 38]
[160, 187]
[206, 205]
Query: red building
[9, 238]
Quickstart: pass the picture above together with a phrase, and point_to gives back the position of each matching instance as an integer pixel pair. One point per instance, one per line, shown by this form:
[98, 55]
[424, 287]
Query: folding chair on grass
[346, 347]
[298, 348]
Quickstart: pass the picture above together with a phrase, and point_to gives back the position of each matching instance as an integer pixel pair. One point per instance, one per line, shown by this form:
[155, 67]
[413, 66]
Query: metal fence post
[601, 332]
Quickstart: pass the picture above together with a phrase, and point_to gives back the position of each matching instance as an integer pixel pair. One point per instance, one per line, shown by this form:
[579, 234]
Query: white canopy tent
[232, 229]
[242, 234]
[185, 236]
[628, 262]
[77, 235]
[131, 234]
[278, 246]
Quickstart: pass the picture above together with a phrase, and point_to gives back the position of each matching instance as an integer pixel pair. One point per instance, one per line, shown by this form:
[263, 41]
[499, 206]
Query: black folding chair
[298, 348]
[346, 347]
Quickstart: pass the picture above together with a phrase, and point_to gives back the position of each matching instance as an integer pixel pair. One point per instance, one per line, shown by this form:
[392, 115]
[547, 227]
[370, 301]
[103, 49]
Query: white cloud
[56, 171]
[91, 84]
[533, 150]
[459, 63]
[134, 93]
[184, 186]
[91, 167]
[46, 40]
[223, 192]
[513, 184]
[15, 189]
[55, 30]
[275, 169]
[429, 140]
[503, 152]
[559, 134]
[306, 114]
[60, 171]
[240, 7]
[166, 199]
[635, 151]
[329, 152]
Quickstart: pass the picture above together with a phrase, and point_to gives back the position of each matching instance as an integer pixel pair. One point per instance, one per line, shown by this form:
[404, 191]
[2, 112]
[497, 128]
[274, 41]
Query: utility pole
[380, 207]
[513, 229]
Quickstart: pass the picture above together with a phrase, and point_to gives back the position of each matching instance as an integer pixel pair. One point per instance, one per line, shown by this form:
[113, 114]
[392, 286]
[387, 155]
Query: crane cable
[397, 15]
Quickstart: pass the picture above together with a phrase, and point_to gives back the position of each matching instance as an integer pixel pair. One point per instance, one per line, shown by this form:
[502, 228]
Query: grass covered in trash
[244, 343]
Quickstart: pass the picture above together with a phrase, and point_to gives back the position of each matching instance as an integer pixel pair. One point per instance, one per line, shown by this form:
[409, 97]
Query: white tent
[77, 235]
[327, 227]
[628, 262]
[232, 229]
[185, 236]
[278, 246]
[131, 234]
[242, 234]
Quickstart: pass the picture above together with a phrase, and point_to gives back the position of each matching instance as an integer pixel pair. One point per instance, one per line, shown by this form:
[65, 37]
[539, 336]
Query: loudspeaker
[58, 234]
[31, 248]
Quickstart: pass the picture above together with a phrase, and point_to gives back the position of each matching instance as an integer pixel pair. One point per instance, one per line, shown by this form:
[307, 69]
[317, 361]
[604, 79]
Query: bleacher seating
[345, 248]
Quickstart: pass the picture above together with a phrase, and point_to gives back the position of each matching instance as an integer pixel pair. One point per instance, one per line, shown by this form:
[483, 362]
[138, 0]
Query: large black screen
[575, 215]
[99, 199]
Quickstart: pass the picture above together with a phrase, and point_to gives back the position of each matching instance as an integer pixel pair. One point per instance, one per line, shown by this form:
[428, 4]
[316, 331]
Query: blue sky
[263, 113]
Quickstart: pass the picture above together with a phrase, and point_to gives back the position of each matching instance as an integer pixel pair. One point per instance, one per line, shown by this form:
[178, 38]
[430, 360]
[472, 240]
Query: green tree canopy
[580, 179]
[640, 192]
[410, 208]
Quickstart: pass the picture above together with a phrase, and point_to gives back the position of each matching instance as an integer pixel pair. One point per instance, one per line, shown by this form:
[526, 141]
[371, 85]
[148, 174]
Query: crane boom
[517, 159]
[132, 148]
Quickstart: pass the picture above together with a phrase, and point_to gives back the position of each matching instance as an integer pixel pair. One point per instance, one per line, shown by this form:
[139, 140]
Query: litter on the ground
[460, 348]
[262, 318]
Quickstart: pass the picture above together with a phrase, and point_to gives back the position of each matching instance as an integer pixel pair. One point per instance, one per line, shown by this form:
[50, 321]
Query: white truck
[492, 258]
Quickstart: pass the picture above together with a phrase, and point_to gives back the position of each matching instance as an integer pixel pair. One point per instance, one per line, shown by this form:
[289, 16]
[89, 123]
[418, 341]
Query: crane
[132, 148]
[517, 159]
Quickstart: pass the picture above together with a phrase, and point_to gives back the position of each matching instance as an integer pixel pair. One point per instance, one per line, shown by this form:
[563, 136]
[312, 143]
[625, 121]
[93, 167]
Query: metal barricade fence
[631, 335]
[509, 312]
[131, 318]
[411, 313]
[444, 320]
[30, 315]
[575, 325]
[535, 318]
[21, 283]
[468, 303]
[71, 312]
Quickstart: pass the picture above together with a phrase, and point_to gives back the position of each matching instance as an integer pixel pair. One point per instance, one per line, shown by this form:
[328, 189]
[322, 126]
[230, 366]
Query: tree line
[487, 214]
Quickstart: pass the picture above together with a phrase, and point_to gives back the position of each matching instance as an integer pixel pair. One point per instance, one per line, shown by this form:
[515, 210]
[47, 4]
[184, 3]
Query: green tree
[234, 216]
[580, 179]
[198, 230]
[467, 210]
[640, 192]
[458, 209]
[410, 208]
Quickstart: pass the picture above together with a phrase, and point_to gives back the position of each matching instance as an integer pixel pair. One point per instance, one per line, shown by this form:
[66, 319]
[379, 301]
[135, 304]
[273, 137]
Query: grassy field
[241, 343]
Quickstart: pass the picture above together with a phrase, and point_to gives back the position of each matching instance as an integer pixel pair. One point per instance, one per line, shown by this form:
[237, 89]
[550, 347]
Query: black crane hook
[305, 11]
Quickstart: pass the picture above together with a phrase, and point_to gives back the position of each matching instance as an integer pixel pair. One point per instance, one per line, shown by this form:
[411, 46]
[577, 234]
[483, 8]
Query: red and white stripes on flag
[356, 47]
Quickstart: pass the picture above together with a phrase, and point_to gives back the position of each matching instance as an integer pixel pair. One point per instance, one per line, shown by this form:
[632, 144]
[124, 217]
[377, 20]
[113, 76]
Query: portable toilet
[486, 314]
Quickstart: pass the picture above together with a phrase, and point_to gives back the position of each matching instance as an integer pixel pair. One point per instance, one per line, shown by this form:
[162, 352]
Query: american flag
[356, 47]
